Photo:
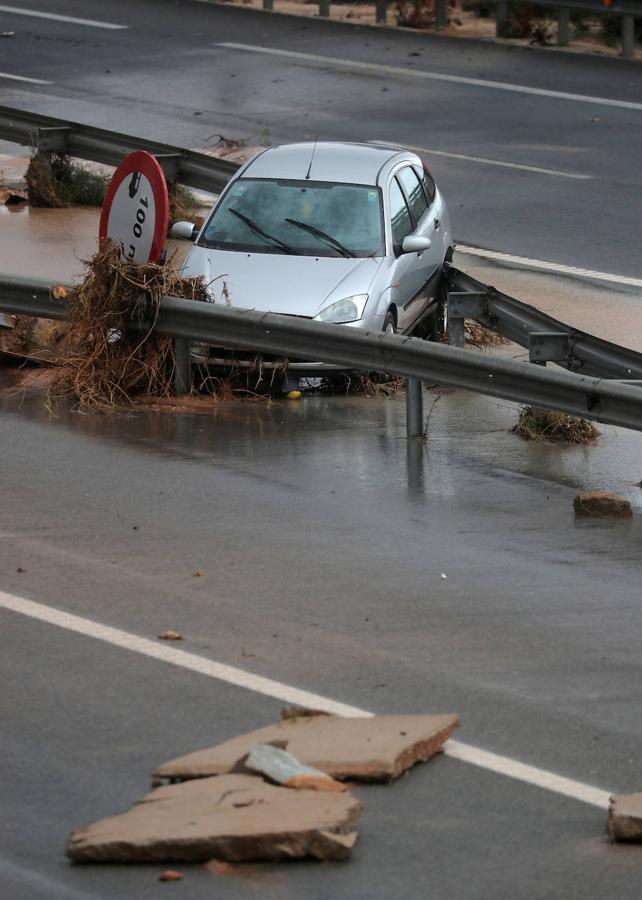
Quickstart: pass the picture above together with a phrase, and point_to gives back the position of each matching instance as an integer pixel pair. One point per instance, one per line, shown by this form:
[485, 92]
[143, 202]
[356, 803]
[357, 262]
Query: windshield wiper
[323, 236]
[257, 230]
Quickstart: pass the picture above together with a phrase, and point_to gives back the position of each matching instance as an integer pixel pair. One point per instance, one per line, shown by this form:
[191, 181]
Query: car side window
[399, 215]
[414, 192]
[426, 182]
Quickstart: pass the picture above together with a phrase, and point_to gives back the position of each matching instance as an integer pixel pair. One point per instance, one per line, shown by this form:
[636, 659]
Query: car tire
[389, 323]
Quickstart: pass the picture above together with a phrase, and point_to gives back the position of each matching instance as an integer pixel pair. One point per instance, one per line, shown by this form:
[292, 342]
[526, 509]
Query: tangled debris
[481, 337]
[103, 365]
[547, 424]
[63, 183]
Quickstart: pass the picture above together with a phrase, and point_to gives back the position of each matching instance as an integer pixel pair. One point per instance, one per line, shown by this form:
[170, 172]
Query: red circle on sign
[147, 165]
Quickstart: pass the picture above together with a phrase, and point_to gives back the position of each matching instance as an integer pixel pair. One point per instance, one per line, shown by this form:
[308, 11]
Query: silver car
[352, 234]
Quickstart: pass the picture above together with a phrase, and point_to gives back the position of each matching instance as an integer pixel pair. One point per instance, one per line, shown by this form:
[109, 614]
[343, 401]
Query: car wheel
[389, 325]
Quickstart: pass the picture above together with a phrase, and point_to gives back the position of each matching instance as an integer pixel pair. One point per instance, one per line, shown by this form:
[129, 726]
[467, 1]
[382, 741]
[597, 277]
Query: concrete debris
[378, 748]
[625, 817]
[603, 504]
[170, 875]
[235, 818]
[280, 766]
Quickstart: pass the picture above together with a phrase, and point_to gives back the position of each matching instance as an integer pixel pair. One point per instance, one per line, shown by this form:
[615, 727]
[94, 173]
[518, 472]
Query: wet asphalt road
[323, 546]
[322, 541]
[165, 77]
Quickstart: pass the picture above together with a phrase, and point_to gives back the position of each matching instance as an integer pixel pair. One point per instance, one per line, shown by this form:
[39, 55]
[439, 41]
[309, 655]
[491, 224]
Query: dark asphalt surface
[165, 78]
[322, 543]
[323, 548]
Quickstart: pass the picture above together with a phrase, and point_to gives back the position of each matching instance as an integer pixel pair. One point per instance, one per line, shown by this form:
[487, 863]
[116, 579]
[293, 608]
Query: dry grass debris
[547, 424]
[481, 337]
[103, 364]
[65, 184]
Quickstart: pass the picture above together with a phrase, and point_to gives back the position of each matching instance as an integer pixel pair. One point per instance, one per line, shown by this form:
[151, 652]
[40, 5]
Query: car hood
[274, 282]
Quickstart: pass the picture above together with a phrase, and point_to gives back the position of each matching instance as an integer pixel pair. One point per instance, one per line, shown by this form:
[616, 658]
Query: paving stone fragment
[235, 818]
[625, 817]
[280, 766]
[602, 503]
[378, 748]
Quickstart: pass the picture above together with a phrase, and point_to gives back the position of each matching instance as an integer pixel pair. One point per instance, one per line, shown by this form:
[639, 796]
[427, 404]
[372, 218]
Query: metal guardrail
[48, 135]
[545, 337]
[413, 358]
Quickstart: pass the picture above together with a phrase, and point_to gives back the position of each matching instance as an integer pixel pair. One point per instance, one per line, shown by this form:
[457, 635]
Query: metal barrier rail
[433, 363]
[48, 135]
[628, 10]
[545, 337]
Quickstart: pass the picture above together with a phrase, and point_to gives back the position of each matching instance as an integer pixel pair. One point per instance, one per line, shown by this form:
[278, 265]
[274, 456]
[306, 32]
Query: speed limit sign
[135, 213]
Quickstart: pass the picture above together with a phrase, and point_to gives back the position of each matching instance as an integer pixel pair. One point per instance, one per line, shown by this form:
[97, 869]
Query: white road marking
[486, 161]
[379, 69]
[558, 268]
[24, 78]
[501, 765]
[93, 23]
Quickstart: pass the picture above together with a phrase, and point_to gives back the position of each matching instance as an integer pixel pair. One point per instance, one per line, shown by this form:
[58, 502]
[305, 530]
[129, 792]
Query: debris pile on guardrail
[102, 364]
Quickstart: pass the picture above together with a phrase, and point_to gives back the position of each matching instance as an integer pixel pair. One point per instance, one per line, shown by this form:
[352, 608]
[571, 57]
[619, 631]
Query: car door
[415, 274]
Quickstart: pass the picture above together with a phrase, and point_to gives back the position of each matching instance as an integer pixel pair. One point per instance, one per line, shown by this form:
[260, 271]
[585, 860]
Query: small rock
[170, 875]
[603, 504]
[199, 573]
[170, 636]
[625, 817]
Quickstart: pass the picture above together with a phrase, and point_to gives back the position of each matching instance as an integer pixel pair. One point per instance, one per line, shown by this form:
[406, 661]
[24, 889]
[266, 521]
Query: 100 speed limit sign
[135, 213]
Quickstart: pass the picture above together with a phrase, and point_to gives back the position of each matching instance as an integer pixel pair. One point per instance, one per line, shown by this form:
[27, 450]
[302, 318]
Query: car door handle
[437, 223]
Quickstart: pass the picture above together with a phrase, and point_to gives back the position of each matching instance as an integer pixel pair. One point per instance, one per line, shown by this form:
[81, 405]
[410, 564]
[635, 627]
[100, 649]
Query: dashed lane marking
[377, 68]
[540, 170]
[23, 78]
[558, 268]
[500, 765]
[37, 14]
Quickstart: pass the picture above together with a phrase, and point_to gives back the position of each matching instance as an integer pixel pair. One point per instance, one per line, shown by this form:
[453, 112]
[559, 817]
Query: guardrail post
[501, 17]
[462, 305]
[414, 408]
[382, 9]
[441, 14]
[183, 367]
[563, 26]
[628, 36]
[324, 8]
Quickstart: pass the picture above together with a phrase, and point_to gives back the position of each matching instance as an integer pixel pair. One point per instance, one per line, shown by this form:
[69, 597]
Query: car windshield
[308, 218]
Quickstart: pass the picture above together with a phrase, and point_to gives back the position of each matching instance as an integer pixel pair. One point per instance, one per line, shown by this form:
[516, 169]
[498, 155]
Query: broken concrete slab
[236, 818]
[602, 503]
[625, 817]
[378, 748]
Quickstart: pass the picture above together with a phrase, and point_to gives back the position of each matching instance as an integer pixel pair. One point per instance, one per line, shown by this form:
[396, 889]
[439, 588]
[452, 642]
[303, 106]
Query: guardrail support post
[628, 36]
[324, 8]
[441, 14]
[501, 17]
[414, 408]
[183, 367]
[382, 9]
[462, 305]
[563, 26]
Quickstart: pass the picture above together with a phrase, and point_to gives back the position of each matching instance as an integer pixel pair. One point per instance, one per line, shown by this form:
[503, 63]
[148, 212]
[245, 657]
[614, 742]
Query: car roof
[333, 161]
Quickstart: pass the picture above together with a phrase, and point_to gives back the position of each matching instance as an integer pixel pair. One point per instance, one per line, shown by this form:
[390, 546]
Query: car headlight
[347, 310]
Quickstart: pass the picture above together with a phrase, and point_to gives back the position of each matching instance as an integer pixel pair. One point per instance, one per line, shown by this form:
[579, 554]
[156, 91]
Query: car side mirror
[184, 231]
[415, 243]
